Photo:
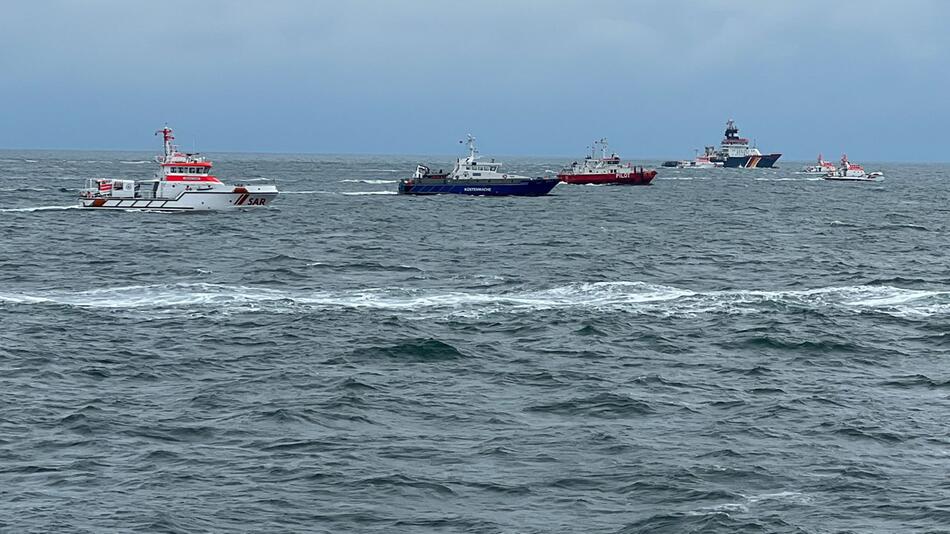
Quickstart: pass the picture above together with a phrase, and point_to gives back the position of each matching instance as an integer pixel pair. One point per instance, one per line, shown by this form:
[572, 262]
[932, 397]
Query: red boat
[605, 170]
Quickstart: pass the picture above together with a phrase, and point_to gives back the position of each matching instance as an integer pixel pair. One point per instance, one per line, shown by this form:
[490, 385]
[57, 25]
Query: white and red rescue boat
[852, 172]
[183, 182]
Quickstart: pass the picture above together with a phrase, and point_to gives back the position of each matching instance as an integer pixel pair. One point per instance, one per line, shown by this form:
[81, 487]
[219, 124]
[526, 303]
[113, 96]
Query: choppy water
[723, 351]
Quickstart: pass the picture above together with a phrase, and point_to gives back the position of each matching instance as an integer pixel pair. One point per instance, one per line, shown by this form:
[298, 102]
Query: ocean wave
[794, 497]
[21, 189]
[359, 193]
[788, 179]
[604, 405]
[369, 181]
[417, 349]
[629, 297]
[135, 162]
[39, 208]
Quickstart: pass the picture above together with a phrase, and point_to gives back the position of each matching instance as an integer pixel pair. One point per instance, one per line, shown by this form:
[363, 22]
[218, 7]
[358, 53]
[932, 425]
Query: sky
[658, 78]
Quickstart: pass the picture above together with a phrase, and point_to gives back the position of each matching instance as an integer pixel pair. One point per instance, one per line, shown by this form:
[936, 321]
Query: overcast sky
[658, 78]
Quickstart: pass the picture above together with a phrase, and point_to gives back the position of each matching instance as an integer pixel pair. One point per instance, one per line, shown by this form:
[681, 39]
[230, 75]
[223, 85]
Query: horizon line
[454, 155]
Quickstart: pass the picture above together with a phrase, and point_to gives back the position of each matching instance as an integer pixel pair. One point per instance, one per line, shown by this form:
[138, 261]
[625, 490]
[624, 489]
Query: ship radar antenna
[470, 141]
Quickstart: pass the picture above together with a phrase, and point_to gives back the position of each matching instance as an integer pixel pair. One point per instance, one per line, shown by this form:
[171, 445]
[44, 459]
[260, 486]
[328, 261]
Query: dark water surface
[731, 351]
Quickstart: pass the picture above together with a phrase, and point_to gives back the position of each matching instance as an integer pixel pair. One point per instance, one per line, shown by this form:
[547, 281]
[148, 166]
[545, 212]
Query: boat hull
[526, 188]
[632, 178]
[191, 201]
[765, 161]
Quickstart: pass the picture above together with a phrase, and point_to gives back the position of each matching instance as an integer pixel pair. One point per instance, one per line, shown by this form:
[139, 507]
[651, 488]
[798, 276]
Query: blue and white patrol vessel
[472, 176]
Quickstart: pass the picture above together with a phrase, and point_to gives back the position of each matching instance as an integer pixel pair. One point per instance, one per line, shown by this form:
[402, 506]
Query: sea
[724, 351]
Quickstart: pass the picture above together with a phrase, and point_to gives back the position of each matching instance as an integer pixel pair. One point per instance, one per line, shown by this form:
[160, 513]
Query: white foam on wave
[907, 303]
[375, 182]
[787, 496]
[625, 297]
[39, 208]
[21, 189]
[136, 162]
[360, 193]
[22, 299]
[725, 508]
[313, 192]
[152, 296]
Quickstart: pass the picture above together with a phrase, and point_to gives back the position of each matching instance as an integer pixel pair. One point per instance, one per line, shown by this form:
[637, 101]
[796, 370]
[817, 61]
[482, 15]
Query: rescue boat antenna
[167, 138]
[603, 147]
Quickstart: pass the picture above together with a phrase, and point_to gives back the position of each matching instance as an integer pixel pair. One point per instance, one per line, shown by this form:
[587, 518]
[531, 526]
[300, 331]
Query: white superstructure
[603, 165]
[470, 168]
[733, 146]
